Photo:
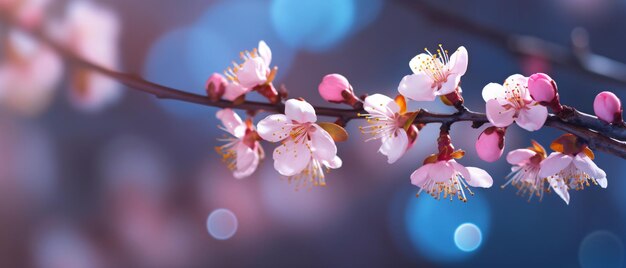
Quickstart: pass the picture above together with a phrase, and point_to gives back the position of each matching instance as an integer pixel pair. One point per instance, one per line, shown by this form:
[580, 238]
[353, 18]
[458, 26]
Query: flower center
[450, 187]
[436, 67]
[381, 125]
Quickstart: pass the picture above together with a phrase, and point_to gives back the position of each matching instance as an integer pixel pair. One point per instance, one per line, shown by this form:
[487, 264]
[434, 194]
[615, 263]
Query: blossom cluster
[307, 149]
[31, 71]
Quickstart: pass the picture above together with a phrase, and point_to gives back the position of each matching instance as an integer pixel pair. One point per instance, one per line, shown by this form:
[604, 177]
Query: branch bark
[579, 127]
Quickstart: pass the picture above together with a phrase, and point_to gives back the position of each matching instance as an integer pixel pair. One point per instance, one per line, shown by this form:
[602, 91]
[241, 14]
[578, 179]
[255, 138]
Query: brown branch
[595, 140]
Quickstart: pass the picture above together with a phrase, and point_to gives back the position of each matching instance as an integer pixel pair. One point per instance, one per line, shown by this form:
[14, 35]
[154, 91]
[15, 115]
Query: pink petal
[420, 175]
[585, 164]
[265, 53]
[395, 146]
[519, 156]
[381, 104]
[274, 128]
[231, 122]
[441, 171]
[532, 119]
[253, 72]
[460, 169]
[554, 164]
[458, 61]
[559, 187]
[247, 161]
[291, 158]
[334, 163]
[498, 115]
[479, 178]
[417, 87]
[419, 62]
[233, 91]
[449, 86]
[322, 144]
[300, 111]
[494, 91]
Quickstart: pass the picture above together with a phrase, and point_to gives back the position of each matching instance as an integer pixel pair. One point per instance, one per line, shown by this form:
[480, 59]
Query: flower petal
[274, 128]
[395, 146]
[291, 158]
[554, 164]
[450, 85]
[520, 83]
[253, 72]
[322, 144]
[334, 163]
[233, 91]
[460, 169]
[419, 62]
[420, 175]
[494, 91]
[418, 87]
[441, 171]
[231, 122]
[300, 111]
[498, 115]
[458, 61]
[559, 187]
[585, 164]
[519, 156]
[247, 161]
[479, 178]
[533, 118]
[381, 104]
[265, 53]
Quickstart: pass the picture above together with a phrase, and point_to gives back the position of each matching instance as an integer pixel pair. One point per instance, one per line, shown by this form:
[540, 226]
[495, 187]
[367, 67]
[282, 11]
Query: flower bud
[542, 88]
[490, 144]
[608, 107]
[336, 88]
[215, 86]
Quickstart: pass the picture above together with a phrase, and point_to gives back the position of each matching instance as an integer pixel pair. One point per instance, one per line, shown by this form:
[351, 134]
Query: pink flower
[386, 122]
[608, 107]
[336, 88]
[255, 70]
[306, 148]
[29, 74]
[92, 31]
[490, 144]
[542, 88]
[512, 102]
[434, 74]
[450, 178]
[525, 171]
[571, 167]
[215, 86]
[242, 151]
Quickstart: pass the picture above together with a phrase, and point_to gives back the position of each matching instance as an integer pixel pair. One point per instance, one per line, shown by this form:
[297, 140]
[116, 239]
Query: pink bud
[608, 107]
[542, 88]
[333, 86]
[490, 144]
[215, 86]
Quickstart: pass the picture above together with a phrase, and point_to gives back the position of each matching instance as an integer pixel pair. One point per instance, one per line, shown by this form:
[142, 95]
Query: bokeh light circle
[433, 225]
[312, 24]
[222, 224]
[601, 249]
[468, 237]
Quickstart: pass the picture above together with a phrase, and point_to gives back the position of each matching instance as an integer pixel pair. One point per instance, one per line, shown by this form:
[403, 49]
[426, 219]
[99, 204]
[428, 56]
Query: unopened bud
[336, 88]
[490, 144]
[216, 86]
[544, 91]
[608, 107]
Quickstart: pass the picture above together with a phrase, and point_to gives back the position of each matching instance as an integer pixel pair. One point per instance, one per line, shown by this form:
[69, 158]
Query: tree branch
[594, 139]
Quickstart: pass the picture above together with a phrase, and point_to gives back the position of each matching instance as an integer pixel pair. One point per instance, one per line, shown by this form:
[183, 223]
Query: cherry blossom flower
[434, 74]
[571, 167]
[92, 32]
[525, 171]
[511, 102]
[242, 151]
[29, 74]
[447, 176]
[306, 148]
[255, 69]
[387, 119]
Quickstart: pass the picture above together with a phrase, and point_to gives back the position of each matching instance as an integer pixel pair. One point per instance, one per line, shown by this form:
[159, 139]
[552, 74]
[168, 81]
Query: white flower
[512, 102]
[242, 151]
[449, 177]
[386, 120]
[255, 70]
[306, 148]
[434, 74]
[525, 171]
[92, 32]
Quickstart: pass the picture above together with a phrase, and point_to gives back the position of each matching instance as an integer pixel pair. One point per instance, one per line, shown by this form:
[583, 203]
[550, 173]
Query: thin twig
[595, 140]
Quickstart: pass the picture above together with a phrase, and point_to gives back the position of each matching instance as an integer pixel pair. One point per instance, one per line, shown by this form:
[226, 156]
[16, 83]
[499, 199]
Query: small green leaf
[336, 132]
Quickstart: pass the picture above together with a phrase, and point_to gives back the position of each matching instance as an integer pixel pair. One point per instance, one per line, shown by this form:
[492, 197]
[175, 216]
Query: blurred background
[116, 178]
